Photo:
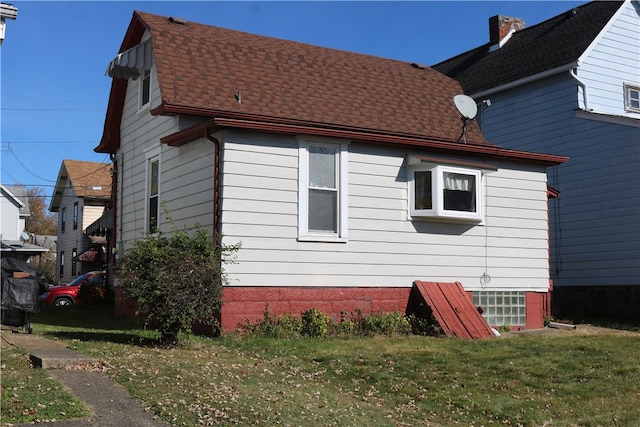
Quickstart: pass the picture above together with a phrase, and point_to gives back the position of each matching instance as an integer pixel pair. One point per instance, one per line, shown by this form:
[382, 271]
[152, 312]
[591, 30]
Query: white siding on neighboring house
[10, 227]
[70, 238]
[613, 60]
[89, 214]
[384, 248]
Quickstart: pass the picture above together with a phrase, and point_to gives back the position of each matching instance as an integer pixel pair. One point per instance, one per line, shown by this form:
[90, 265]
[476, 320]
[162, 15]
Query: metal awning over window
[93, 254]
[100, 227]
[129, 63]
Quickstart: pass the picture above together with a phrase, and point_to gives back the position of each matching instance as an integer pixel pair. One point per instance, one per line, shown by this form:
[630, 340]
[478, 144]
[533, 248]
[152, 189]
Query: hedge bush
[178, 279]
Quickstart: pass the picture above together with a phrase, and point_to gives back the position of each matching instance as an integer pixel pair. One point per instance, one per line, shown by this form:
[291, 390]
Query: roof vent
[571, 13]
[178, 21]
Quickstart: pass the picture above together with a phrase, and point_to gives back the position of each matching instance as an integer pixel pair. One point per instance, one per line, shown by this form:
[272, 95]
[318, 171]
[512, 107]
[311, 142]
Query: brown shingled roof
[88, 180]
[291, 87]
[202, 68]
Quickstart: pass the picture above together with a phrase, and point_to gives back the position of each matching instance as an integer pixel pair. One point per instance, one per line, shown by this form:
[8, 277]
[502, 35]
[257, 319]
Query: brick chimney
[499, 27]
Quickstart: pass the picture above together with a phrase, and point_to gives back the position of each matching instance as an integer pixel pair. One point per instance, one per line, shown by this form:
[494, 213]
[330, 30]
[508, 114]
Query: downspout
[216, 184]
[111, 237]
[583, 85]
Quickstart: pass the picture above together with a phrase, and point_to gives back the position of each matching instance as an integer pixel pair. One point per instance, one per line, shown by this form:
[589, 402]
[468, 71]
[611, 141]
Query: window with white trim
[502, 307]
[144, 88]
[152, 211]
[322, 190]
[75, 216]
[632, 98]
[74, 262]
[446, 192]
[61, 263]
[63, 219]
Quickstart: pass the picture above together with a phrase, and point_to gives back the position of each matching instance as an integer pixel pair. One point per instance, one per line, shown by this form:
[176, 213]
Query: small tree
[177, 279]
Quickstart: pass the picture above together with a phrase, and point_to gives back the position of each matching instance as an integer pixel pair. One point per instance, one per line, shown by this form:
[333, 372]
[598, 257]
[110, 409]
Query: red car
[68, 294]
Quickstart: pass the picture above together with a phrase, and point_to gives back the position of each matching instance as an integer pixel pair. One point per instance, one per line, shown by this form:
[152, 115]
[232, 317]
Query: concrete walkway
[110, 403]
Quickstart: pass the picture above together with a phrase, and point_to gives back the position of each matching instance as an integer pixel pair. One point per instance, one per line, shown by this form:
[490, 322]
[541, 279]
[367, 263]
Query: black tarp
[21, 293]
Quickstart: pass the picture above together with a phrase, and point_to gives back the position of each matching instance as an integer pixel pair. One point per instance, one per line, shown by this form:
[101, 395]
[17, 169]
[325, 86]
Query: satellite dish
[24, 236]
[466, 106]
[468, 109]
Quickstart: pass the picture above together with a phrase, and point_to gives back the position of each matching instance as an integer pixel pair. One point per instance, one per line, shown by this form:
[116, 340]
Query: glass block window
[502, 307]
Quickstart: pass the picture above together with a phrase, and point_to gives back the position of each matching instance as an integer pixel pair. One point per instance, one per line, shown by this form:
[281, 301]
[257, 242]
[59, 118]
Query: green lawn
[565, 379]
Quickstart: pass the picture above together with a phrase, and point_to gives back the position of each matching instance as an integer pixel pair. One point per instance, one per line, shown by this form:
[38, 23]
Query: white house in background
[14, 210]
[571, 85]
[342, 175]
[82, 191]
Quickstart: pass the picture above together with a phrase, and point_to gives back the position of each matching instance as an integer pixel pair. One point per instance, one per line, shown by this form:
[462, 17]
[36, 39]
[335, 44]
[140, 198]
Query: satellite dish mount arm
[463, 134]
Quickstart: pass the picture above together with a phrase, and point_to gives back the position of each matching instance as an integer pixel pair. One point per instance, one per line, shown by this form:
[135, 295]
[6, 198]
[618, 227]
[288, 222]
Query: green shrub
[178, 279]
[386, 324]
[315, 324]
[425, 325]
[95, 292]
[287, 326]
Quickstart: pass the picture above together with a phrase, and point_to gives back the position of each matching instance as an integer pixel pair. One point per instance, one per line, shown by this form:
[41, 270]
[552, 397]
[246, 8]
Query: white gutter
[528, 79]
[584, 88]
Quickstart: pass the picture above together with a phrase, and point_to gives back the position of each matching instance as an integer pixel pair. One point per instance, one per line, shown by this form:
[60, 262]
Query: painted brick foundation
[249, 303]
[537, 309]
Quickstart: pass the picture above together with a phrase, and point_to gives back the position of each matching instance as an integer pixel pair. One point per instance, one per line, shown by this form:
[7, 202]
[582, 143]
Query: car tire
[62, 302]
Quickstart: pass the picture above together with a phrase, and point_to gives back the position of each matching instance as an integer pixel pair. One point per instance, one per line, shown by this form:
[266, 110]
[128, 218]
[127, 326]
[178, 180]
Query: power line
[25, 168]
[51, 142]
[54, 109]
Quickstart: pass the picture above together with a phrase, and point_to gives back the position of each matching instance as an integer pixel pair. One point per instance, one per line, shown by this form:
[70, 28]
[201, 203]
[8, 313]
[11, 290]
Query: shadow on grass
[90, 317]
[124, 337]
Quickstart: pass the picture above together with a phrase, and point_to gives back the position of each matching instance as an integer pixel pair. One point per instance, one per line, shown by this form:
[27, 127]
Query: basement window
[502, 307]
[632, 98]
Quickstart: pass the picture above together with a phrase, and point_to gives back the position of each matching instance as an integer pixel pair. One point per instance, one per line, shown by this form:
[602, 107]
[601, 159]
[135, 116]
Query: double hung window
[145, 88]
[75, 216]
[445, 191]
[322, 207]
[152, 208]
[632, 98]
[63, 220]
[61, 264]
[74, 262]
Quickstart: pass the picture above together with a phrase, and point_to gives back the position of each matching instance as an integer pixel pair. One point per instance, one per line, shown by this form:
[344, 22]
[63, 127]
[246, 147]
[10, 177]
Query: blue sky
[54, 92]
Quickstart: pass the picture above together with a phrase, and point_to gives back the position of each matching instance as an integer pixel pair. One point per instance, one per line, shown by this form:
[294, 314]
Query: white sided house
[571, 86]
[81, 194]
[345, 177]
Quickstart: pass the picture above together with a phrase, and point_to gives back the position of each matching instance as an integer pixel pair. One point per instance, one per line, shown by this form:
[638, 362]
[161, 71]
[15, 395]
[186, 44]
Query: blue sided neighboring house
[571, 85]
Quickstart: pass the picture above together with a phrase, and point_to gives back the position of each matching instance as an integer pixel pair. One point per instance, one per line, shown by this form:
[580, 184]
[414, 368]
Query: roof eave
[493, 151]
[374, 137]
[526, 80]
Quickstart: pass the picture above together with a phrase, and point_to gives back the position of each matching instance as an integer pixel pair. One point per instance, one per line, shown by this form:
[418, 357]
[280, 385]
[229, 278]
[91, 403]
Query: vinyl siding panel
[186, 173]
[10, 217]
[613, 61]
[87, 215]
[595, 224]
[384, 248]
